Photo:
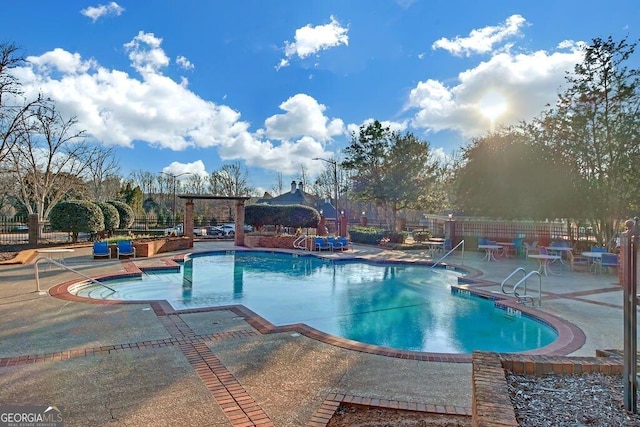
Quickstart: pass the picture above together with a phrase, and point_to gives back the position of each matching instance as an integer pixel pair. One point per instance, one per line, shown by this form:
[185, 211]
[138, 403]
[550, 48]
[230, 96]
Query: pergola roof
[211, 197]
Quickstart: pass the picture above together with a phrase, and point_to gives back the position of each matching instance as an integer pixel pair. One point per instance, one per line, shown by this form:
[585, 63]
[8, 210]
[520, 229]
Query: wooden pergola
[239, 222]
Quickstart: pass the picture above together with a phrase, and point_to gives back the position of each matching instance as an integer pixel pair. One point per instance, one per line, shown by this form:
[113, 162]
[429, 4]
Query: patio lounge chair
[101, 249]
[322, 244]
[126, 248]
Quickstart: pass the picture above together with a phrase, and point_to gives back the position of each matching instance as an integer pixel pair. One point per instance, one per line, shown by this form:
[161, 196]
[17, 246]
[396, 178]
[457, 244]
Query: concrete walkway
[139, 365]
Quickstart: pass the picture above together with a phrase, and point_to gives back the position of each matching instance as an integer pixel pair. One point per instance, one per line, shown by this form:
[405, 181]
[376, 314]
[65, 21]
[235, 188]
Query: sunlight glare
[492, 105]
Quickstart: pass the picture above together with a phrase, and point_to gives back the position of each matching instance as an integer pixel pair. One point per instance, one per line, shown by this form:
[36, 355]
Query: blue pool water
[403, 306]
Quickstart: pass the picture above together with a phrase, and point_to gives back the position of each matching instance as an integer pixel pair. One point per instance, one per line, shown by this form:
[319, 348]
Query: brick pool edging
[570, 337]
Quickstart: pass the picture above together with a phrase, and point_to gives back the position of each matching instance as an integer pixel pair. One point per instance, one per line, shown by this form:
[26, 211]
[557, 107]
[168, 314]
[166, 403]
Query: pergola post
[239, 237]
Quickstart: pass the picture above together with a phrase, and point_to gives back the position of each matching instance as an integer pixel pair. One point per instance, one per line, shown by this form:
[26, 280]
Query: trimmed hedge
[285, 215]
[111, 216]
[125, 212]
[75, 216]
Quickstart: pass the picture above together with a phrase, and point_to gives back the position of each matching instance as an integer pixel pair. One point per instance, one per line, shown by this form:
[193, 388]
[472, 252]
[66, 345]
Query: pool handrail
[450, 251]
[61, 265]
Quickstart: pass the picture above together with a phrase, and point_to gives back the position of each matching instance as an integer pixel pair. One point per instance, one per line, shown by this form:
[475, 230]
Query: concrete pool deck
[136, 365]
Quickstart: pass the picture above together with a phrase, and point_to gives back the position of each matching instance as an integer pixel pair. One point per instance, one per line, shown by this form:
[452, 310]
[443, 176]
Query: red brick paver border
[327, 410]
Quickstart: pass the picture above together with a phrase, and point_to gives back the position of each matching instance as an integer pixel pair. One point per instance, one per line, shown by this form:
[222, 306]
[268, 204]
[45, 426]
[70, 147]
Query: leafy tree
[595, 126]
[76, 216]
[111, 216]
[125, 213]
[391, 170]
[132, 196]
[508, 174]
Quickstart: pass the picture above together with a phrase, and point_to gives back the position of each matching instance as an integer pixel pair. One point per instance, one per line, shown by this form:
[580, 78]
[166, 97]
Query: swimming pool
[403, 306]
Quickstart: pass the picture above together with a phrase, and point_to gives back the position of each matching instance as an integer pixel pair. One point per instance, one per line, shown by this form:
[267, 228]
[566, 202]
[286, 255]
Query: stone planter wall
[147, 248]
[282, 242]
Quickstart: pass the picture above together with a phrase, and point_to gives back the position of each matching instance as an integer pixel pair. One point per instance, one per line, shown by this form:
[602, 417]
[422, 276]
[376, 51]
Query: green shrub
[111, 216]
[367, 235]
[421, 236]
[395, 236]
[75, 216]
[125, 212]
[285, 215]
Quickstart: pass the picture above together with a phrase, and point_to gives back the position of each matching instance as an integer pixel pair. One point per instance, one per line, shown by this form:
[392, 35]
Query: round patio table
[544, 261]
[490, 252]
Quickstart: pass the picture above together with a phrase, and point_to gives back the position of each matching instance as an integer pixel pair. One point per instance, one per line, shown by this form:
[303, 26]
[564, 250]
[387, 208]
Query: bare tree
[145, 180]
[105, 166]
[303, 176]
[49, 162]
[196, 184]
[230, 180]
[278, 186]
[15, 111]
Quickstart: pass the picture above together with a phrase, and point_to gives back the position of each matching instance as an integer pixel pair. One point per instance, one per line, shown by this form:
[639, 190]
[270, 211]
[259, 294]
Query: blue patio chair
[482, 241]
[322, 244]
[598, 249]
[608, 260]
[518, 247]
[345, 243]
[126, 248]
[101, 249]
[335, 243]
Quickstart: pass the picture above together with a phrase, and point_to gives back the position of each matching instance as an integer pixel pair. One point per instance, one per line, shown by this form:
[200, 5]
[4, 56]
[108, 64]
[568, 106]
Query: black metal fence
[15, 231]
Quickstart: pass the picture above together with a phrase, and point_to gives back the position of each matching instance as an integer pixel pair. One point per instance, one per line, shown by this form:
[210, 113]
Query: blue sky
[187, 86]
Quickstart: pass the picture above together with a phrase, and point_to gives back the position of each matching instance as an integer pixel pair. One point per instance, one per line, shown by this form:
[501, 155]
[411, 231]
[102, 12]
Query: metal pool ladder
[523, 298]
[61, 265]
[301, 243]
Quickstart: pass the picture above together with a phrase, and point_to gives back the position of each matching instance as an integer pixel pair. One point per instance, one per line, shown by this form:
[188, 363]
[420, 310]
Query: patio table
[434, 246]
[543, 261]
[593, 256]
[558, 250]
[506, 248]
[57, 254]
[490, 252]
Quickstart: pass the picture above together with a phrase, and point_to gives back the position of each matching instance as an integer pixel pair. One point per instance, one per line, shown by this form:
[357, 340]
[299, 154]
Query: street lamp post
[175, 205]
[335, 183]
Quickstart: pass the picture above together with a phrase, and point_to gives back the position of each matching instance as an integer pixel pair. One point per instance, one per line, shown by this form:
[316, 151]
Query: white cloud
[62, 61]
[118, 109]
[97, 12]
[483, 39]
[311, 40]
[304, 116]
[185, 170]
[146, 54]
[184, 63]
[525, 83]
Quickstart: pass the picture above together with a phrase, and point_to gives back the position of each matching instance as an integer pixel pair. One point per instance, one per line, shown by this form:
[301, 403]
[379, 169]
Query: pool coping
[570, 337]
